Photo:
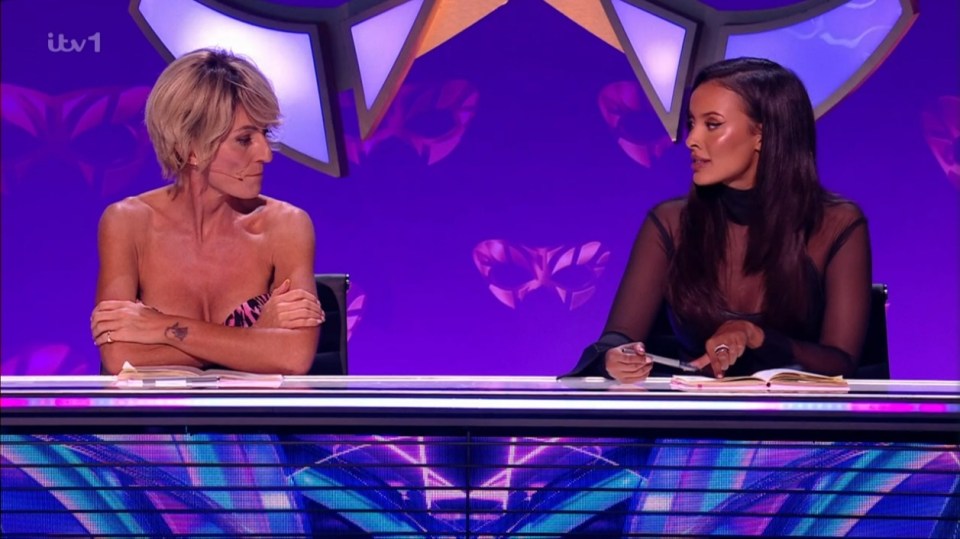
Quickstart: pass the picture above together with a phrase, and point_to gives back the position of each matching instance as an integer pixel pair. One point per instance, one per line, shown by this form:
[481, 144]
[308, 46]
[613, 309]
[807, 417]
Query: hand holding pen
[668, 361]
[628, 363]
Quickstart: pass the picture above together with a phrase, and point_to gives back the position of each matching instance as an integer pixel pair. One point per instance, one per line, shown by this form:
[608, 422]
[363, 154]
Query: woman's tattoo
[177, 331]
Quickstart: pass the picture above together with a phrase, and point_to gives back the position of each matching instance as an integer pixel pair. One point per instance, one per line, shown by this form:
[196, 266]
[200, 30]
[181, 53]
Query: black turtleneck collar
[739, 205]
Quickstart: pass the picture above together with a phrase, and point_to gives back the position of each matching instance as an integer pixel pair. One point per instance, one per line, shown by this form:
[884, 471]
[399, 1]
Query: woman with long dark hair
[759, 265]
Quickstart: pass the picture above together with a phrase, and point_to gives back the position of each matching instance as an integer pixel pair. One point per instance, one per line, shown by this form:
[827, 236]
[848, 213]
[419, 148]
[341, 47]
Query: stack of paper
[172, 376]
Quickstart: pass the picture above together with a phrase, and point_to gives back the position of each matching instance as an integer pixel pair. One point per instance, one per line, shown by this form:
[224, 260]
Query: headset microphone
[225, 173]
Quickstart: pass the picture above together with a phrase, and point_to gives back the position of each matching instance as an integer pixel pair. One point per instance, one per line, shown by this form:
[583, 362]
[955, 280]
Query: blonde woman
[207, 271]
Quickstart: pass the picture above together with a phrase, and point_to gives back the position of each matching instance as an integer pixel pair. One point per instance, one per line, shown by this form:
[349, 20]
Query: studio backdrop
[483, 193]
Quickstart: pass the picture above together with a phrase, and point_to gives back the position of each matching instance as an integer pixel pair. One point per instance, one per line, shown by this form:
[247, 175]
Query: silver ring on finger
[109, 339]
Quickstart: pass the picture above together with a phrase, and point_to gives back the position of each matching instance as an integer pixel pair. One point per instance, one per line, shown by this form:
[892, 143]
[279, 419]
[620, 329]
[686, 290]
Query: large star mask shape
[369, 46]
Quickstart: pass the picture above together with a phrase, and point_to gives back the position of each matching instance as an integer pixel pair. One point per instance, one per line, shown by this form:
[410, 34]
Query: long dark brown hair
[788, 194]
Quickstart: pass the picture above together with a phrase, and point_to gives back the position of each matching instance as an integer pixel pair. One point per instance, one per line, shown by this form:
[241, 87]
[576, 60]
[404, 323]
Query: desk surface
[441, 456]
[483, 384]
[905, 409]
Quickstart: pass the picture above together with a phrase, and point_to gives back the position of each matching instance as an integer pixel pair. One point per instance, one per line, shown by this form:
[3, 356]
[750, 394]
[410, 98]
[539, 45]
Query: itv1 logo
[62, 44]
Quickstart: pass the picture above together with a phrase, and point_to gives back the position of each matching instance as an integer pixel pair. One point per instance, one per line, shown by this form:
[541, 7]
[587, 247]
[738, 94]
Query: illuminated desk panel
[478, 457]
[880, 410]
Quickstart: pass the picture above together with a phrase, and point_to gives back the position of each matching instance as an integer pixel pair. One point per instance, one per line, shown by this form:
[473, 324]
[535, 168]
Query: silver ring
[109, 340]
[721, 348]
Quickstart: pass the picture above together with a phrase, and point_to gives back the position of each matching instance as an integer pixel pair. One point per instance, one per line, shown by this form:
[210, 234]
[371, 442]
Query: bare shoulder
[132, 212]
[284, 219]
[281, 213]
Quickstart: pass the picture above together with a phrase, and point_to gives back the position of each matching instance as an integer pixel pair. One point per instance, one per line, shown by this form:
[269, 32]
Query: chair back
[875, 356]
[331, 356]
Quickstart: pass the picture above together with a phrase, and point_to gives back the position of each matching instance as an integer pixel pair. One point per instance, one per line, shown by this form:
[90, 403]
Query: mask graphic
[627, 111]
[356, 298]
[429, 118]
[857, 26]
[98, 132]
[514, 271]
[941, 128]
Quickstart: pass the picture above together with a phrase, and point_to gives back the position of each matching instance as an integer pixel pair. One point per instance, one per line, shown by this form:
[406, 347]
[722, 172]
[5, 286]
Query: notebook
[176, 376]
[768, 380]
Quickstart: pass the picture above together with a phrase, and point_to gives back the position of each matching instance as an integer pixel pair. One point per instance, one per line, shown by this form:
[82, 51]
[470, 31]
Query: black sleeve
[847, 282]
[638, 298]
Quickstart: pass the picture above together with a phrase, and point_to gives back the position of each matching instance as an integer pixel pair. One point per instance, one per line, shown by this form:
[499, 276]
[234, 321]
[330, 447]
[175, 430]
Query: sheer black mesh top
[838, 287]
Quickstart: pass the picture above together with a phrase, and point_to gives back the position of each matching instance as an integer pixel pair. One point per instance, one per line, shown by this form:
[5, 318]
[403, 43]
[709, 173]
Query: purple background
[497, 135]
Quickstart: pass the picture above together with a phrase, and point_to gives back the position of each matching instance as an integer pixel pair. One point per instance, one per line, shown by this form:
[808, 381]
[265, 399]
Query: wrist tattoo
[176, 331]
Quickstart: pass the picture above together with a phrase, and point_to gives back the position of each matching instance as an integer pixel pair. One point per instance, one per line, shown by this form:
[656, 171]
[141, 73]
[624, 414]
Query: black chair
[874, 358]
[331, 357]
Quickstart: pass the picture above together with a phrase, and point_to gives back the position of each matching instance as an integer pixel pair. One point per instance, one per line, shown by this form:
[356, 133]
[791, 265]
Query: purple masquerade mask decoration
[430, 118]
[941, 128]
[98, 131]
[625, 109]
[514, 271]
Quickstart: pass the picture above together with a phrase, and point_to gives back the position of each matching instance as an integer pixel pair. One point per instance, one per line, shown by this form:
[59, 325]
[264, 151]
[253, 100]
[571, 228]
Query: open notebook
[768, 380]
[174, 376]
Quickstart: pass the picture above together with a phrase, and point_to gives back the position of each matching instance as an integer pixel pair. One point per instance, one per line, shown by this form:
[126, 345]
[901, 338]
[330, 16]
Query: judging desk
[360, 456]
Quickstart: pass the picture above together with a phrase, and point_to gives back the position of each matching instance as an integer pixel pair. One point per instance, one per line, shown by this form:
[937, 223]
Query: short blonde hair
[191, 107]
